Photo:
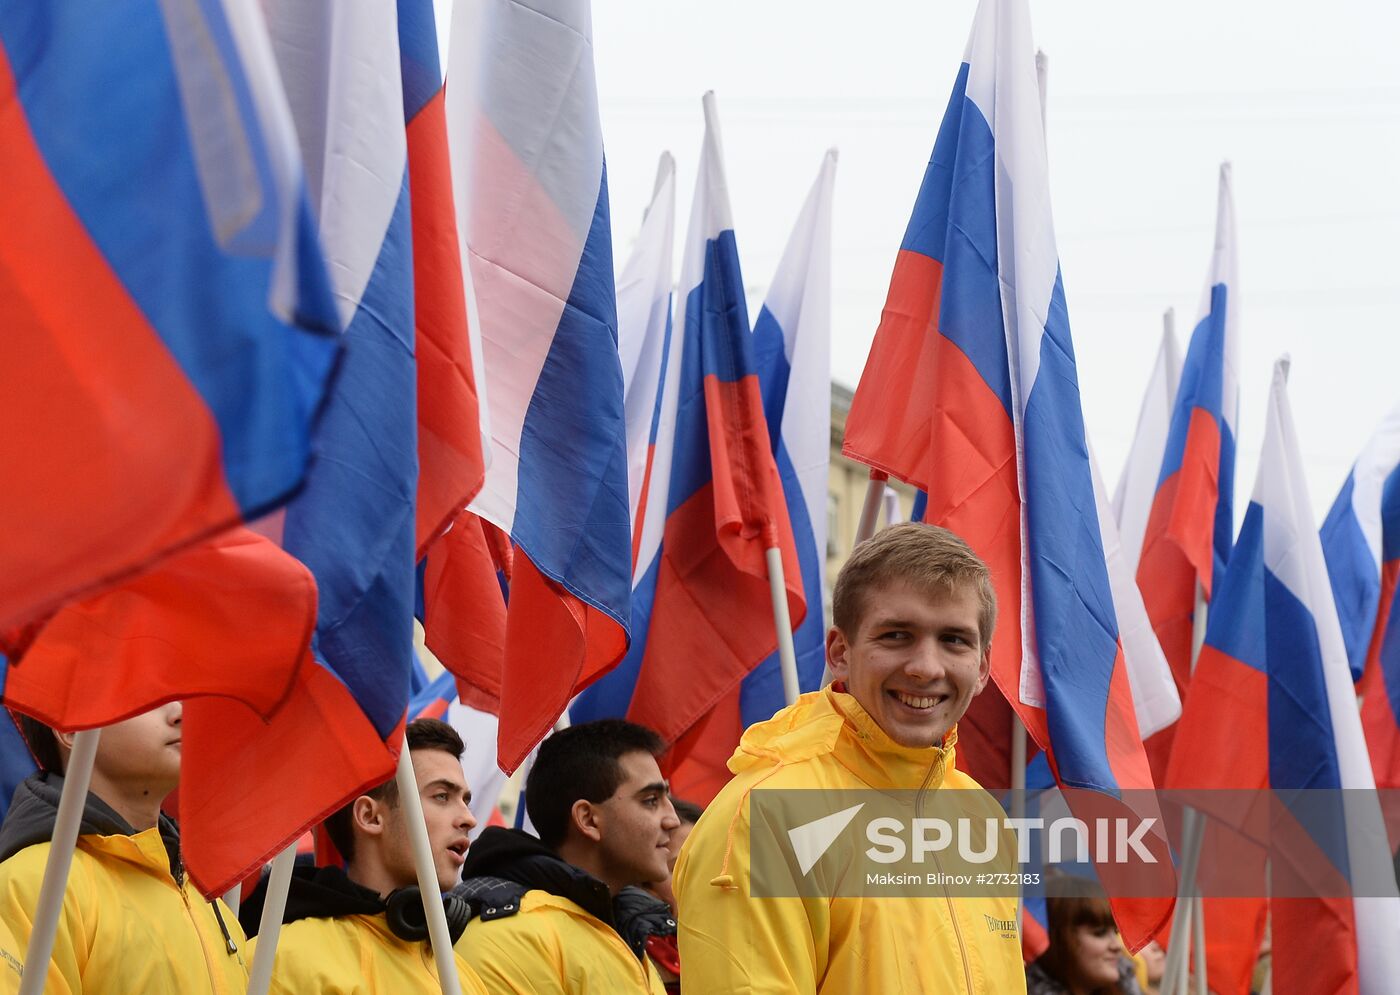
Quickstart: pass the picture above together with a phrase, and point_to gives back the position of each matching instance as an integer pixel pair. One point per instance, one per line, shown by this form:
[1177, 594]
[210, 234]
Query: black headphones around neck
[403, 910]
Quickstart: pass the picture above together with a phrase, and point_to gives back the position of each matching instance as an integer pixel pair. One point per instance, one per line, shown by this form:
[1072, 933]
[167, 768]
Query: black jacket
[313, 893]
[503, 864]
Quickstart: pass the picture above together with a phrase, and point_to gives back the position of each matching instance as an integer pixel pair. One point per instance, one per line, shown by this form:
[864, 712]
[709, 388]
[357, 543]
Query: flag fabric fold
[970, 394]
[165, 634]
[702, 611]
[1155, 699]
[1271, 705]
[644, 335]
[225, 626]
[451, 465]
[530, 189]
[465, 581]
[1361, 543]
[177, 392]
[1188, 533]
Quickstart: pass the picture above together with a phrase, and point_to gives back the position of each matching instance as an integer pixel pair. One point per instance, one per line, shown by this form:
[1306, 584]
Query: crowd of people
[620, 888]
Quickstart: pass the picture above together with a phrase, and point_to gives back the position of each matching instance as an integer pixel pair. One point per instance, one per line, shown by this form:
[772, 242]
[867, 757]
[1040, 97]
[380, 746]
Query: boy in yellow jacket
[360, 931]
[131, 919]
[914, 612]
[548, 922]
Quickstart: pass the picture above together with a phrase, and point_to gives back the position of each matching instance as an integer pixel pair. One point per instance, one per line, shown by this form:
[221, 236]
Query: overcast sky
[1144, 103]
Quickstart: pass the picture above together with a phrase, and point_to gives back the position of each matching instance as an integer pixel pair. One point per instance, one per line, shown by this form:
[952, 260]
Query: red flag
[272, 741]
[464, 607]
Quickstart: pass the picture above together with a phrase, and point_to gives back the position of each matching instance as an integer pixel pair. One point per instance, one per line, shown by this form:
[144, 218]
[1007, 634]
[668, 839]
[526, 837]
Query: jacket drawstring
[724, 879]
[223, 928]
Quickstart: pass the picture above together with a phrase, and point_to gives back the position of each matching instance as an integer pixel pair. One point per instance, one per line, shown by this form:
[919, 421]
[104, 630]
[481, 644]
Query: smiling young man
[913, 612]
[131, 921]
[546, 921]
[341, 932]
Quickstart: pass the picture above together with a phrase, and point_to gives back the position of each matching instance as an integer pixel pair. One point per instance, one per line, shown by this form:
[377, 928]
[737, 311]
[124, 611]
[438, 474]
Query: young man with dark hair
[546, 920]
[362, 929]
[131, 919]
[914, 611]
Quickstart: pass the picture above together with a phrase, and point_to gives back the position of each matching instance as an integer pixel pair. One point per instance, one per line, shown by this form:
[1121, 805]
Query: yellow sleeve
[11, 961]
[513, 956]
[729, 940]
[20, 879]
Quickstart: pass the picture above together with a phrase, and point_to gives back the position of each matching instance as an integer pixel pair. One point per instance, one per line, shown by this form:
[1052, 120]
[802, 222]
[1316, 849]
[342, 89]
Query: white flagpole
[279, 880]
[1198, 941]
[782, 622]
[233, 898]
[1018, 790]
[1193, 831]
[870, 511]
[433, 910]
[65, 837]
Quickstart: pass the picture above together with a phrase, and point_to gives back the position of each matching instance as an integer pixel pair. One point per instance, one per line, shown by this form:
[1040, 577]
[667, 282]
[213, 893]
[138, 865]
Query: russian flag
[970, 393]
[1132, 498]
[645, 345]
[1271, 705]
[644, 336]
[180, 631]
[164, 634]
[531, 195]
[702, 612]
[1156, 702]
[169, 329]
[353, 524]
[1361, 542]
[792, 351]
[1187, 537]
[450, 461]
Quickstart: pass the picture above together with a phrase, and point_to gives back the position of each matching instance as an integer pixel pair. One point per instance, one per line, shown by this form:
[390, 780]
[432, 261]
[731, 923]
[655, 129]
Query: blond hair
[926, 557]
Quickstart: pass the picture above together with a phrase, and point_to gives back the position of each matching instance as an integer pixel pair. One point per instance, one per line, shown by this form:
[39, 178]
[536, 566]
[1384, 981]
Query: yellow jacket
[554, 947]
[11, 961]
[357, 955]
[131, 920]
[543, 926]
[733, 943]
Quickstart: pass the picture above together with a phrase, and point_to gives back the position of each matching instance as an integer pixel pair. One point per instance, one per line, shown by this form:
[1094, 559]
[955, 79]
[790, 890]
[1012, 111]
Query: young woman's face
[1096, 953]
[1155, 958]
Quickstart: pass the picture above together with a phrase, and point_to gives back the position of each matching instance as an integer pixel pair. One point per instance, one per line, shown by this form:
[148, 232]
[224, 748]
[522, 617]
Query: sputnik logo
[811, 840]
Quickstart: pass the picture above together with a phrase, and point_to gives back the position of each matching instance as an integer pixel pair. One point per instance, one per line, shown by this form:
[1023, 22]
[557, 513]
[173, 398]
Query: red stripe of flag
[450, 462]
[85, 382]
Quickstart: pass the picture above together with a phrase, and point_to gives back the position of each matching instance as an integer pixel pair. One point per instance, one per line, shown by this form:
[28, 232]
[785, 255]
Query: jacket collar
[510, 855]
[313, 893]
[34, 811]
[831, 722]
[869, 752]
